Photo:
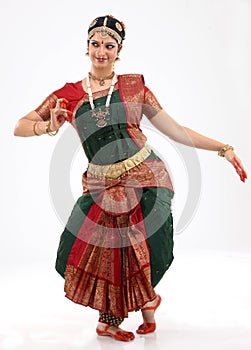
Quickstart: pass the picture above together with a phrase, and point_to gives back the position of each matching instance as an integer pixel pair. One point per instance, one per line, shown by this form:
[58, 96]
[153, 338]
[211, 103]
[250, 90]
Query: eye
[110, 46]
[94, 43]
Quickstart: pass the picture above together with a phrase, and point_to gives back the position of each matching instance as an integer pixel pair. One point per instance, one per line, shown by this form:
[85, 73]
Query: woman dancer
[118, 241]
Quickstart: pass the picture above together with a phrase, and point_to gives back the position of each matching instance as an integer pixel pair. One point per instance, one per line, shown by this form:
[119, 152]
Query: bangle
[34, 129]
[223, 149]
[48, 130]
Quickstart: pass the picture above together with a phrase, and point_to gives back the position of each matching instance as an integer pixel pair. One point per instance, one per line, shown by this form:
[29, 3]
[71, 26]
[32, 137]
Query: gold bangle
[223, 149]
[48, 130]
[34, 129]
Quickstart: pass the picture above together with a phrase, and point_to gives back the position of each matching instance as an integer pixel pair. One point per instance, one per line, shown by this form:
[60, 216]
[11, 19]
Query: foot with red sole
[115, 332]
[148, 312]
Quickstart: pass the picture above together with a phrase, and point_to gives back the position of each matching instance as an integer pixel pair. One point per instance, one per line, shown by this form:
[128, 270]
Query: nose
[101, 50]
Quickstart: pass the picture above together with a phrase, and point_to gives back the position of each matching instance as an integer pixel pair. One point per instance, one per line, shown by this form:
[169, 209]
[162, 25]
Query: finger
[63, 112]
[244, 175]
[240, 171]
[239, 168]
[58, 103]
[62, 103]
[69, 116]
[243, 178]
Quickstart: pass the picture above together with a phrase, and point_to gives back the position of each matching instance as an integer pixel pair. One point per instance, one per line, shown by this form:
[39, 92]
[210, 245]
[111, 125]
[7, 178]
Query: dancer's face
[102, 51]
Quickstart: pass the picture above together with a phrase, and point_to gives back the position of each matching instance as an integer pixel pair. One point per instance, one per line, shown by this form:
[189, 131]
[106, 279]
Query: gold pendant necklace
[100, 115]
[102, 79]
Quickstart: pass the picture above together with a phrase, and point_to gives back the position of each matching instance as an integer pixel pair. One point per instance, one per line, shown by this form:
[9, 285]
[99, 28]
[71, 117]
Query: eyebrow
[98, 42]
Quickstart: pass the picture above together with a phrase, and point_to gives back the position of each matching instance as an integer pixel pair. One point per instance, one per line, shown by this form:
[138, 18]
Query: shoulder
[70, 91]
[131, 78]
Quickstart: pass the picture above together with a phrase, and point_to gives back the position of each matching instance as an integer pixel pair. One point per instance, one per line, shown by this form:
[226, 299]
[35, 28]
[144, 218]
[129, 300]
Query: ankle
[152, 302]
[102, 325]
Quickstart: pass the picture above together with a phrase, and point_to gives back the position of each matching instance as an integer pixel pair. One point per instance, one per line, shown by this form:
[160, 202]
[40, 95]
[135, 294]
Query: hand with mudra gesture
[59, 114]
[236, 162]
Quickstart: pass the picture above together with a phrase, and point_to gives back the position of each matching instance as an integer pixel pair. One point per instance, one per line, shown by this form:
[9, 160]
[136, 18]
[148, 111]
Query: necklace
[100, 115]
[102, 79]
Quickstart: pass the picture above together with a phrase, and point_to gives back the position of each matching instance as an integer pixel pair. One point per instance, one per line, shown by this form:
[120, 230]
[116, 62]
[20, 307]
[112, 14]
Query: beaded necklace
[100, 115]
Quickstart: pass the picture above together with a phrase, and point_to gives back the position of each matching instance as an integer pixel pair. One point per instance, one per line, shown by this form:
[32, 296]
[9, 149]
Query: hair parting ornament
[105, 26]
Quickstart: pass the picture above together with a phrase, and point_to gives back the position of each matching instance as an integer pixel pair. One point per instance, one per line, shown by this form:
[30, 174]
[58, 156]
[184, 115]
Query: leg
[148, 312]
[109, 325]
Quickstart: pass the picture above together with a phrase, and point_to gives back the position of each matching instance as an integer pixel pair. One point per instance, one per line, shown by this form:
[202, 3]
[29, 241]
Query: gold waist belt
[113, 171]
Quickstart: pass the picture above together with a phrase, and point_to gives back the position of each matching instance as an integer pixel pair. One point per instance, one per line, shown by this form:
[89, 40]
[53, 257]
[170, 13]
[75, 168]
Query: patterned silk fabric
[118, 241]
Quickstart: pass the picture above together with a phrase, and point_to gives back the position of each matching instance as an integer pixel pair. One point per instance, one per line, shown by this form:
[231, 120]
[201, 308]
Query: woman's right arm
[30, 125]
[53, 118]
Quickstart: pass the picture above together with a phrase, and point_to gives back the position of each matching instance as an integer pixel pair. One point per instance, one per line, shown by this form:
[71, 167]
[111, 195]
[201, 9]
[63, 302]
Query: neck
[101, 72]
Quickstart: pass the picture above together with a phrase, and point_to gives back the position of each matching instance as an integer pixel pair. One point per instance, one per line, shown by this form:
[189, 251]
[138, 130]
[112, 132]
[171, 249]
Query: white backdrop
[195, 56]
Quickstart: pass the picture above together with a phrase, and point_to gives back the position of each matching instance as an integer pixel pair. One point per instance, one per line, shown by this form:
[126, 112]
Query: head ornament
[105, 26]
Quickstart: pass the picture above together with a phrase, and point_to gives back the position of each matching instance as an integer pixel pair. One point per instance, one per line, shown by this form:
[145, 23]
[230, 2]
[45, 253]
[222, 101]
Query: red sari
[108, 259]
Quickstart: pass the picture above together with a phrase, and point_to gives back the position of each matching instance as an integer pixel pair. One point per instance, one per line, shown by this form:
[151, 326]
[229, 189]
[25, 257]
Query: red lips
[101, 59]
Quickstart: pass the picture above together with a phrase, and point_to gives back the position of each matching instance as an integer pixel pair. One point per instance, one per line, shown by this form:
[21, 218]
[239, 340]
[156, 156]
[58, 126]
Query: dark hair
[108, 25]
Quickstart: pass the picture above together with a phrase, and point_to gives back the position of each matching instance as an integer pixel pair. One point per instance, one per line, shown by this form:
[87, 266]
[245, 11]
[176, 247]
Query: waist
[115, 170]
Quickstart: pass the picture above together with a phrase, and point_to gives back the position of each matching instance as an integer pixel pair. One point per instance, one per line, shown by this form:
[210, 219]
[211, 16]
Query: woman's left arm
[168, 126]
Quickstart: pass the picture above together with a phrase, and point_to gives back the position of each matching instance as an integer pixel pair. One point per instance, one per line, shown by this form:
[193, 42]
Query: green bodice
[108, 144]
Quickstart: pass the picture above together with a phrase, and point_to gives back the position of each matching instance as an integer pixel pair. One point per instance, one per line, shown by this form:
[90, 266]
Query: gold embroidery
[43, 110]
[111, 270]
[113, 171]
[132, 89]
[97, 280]
[150, 173]
[132, 86]
[151, 106]
[99, 287]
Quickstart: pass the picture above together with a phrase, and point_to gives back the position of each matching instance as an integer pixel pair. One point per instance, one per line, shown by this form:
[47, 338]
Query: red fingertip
[64, 102]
